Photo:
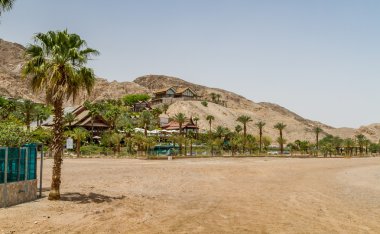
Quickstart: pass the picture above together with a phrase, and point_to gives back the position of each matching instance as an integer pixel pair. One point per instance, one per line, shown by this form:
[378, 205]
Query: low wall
[17, 192]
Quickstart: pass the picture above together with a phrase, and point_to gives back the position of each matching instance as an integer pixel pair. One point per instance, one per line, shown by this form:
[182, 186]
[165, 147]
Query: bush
[41, 135]
[12, 134]
[204, 103]
[131, 99]
[91, 149]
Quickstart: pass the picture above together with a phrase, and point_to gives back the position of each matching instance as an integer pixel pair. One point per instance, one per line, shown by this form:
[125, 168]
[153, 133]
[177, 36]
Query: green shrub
[204, 103]
[131, 99]
[12, 134]
[91, 149]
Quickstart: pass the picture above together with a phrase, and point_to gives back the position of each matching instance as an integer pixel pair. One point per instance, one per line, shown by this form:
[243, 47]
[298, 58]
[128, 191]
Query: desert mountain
[12, 85]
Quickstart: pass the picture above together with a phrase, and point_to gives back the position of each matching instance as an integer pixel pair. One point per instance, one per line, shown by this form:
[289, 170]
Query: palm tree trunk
[92, 129]
[281, 144]
[57, 148]
[191, 147]
[78, 148]
[261, 140]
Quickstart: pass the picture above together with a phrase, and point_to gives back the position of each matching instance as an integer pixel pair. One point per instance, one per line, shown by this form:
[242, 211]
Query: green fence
[18, 164]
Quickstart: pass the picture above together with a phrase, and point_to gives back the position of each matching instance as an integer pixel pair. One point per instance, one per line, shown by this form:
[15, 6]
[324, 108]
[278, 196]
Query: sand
[219, 195]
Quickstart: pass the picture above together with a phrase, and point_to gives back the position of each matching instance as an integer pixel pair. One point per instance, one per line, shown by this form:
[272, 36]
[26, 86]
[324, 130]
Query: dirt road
[220, 195]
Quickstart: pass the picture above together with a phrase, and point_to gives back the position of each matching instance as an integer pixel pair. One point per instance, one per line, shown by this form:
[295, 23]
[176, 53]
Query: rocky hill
[12, 85]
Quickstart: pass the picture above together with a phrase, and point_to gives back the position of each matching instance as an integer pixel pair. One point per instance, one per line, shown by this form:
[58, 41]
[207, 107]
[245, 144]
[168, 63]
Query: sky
[318, 58]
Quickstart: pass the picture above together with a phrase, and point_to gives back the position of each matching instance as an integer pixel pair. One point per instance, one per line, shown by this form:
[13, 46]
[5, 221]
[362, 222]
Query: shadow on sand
[88, 198]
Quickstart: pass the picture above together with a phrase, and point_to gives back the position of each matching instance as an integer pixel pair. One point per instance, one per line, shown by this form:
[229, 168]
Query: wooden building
[83, 119]
[187, 126]
[141, 106]
[172, 94]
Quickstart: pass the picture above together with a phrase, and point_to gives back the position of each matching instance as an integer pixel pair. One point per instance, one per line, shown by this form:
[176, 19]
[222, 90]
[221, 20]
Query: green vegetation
[204, 103]
[12, 134]
[131, 99]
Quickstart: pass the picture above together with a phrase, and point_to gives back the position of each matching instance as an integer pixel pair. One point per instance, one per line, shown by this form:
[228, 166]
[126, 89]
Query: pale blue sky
[318, 58]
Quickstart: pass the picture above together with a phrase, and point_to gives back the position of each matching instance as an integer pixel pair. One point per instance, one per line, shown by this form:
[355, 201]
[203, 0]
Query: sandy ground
[219, 195]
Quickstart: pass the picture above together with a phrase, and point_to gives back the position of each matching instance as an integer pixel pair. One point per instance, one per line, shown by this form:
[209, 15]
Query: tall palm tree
[317, 131]
[260, 125]
[6, 5]
[360, 138]
[79, 135]
[180, 118]
[56, 65]
[244, 119]
[145, 121]
[210, 118]
[280, 127]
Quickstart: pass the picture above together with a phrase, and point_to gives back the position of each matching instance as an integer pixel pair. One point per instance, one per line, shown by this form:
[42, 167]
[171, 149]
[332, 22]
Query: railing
[18, 164]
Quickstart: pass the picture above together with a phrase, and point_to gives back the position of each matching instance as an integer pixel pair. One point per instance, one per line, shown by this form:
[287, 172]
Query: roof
[182, 90]
[176, 90]
[82, 118]
[173, 125]
[164, 90]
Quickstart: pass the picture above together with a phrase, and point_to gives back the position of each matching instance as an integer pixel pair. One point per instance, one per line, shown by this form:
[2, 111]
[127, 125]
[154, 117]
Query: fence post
[41, 166]
[5, 192]
[26, 162]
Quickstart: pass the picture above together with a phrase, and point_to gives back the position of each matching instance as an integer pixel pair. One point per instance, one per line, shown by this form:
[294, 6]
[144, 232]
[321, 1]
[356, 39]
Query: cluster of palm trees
[333, 145]
[24, 111]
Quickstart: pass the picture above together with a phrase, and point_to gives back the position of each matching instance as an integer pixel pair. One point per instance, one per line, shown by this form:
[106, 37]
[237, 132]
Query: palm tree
[348, 144]
[281, 141]
[79, 135]
[210, 118]
[6, 5]
[361, 142]
[28, 110]
[69, 118]
[180, 118]
[56, 64]
[145, 121]
[244, 119]
[260, 125]
[317, 130]
[42, 113]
